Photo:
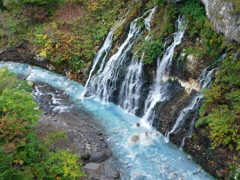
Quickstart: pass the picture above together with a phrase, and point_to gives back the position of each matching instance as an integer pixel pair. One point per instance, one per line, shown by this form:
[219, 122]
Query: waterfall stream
[103, 83]
[130, 93]
[100, 57]
[143, 155]
[158, 93]
[204, 81]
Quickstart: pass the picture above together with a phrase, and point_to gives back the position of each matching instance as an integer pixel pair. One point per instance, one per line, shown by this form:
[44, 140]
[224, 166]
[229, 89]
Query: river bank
[83, 136]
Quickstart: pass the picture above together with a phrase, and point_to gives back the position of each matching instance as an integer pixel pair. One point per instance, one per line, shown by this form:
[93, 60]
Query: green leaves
[22, 104]
[195, 13]
[224, 128]
[152, 50]
[62, 165]
[24, 155]
[221, 109]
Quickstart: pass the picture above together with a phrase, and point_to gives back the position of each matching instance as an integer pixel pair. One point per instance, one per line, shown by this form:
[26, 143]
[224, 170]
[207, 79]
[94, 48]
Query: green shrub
[195, 14]
[23, 154]
[221, 108]
[151, 50]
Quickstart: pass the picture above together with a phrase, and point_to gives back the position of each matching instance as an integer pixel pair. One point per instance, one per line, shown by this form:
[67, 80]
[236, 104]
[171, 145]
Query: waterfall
[100, 57]
[192, 107]
[130, 92]
[104, 83]
[157, 93]
[204, 81]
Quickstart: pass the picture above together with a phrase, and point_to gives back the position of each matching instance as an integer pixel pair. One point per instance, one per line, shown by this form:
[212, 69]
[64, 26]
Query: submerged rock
[141, 177]
[133, 140]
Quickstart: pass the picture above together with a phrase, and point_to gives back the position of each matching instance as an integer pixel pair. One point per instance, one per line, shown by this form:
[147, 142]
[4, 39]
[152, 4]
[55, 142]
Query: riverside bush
[221, 108]
[23, 154]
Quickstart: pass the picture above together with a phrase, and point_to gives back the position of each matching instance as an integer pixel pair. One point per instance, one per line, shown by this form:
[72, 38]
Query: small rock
[98, 157]
[100, 138]
[116, 175]
[189, 157]
[99, 133]
[135, 138]
[85, 156]
[88, 146]
[94, 178]
[220, 173]
[92, 166]
[30, 83]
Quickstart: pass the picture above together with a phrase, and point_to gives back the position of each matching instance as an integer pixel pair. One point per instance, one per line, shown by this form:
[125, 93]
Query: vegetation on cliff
[66, 32]
[23, 154]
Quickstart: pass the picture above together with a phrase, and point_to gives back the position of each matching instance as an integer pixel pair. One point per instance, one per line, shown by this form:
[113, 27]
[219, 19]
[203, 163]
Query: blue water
[143, 154]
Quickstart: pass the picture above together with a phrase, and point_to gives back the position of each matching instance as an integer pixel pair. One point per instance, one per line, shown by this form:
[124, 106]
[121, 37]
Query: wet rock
[99, 133]
[134, 139]
[99, 157]
[116, 175]
[101, 138]
[94, 178]
[189, 157]
[85, 156]
[192, 65]
[92, 166]
[169, 40]
[87, 94]
[220, 173]
[30, 83]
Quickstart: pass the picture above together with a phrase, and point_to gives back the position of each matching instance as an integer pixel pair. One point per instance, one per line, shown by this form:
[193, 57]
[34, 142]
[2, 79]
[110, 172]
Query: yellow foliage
[43, 54]
[94, 5]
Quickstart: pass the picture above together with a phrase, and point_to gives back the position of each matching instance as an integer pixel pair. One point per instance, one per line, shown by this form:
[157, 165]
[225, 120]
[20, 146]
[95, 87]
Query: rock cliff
[224, 17]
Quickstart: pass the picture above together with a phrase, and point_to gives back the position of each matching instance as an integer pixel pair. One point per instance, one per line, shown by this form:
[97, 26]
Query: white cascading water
[192, 107]
[103, 83]
[156, 93]
[204, 81]
[130, 92]
[100, 57]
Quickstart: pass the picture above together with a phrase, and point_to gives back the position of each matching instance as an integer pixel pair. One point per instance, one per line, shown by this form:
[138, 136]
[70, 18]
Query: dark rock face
[24, 53]
[214, 161]
[168, 112]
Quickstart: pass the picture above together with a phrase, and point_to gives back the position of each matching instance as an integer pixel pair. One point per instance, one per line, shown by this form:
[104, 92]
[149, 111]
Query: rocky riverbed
[84, 134]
